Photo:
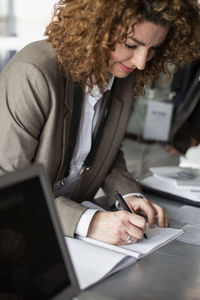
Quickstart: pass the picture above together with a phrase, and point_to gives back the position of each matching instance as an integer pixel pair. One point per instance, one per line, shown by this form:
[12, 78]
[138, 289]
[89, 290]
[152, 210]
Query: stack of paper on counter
[174, 180]
[94, 260]
[184, 178]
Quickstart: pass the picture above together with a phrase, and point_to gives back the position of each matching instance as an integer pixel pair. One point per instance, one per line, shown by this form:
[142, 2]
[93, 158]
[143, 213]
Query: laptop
[34, 260]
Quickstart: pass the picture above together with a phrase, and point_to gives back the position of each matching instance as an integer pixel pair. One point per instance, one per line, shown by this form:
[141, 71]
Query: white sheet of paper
[158, 120]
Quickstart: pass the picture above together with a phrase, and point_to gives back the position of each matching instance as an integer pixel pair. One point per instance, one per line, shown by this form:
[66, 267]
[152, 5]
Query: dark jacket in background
[186, 119]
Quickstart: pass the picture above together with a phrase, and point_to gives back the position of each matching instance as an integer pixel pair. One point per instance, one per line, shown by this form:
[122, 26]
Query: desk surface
[172, 272]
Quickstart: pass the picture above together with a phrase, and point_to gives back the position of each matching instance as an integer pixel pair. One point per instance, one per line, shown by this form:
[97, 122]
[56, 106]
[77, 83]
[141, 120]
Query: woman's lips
[125, 68]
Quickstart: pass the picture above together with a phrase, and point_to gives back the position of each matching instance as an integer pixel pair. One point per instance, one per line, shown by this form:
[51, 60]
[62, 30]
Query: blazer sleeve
[24, 102]
[24, 105]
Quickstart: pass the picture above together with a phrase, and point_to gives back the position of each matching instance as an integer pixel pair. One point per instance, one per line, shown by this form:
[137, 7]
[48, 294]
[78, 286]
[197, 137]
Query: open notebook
[96, 260]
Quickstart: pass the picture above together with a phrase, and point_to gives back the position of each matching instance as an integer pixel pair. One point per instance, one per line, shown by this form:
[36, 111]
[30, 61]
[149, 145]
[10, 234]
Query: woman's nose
[139, 59]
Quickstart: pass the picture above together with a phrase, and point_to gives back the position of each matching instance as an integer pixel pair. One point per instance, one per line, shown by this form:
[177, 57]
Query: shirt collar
[95, 93]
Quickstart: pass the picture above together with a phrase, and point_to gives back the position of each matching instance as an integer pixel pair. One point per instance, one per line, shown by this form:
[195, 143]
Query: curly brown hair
[84, 31]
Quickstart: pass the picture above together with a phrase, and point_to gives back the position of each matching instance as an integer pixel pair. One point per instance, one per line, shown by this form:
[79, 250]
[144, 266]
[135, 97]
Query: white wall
[32, 17]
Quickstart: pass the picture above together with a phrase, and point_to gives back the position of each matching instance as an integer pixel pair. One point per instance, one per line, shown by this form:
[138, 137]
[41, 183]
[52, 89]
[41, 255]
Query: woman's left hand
[148, 209]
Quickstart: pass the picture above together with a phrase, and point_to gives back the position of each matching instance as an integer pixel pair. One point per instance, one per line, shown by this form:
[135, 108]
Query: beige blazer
[35, 115]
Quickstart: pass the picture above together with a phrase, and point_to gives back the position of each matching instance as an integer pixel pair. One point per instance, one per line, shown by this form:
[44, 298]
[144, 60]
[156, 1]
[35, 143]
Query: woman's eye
[153, 48]
[152, 52]
[130, 46]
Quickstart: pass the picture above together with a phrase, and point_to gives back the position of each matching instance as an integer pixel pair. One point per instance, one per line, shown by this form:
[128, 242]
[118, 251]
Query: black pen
[123, 204]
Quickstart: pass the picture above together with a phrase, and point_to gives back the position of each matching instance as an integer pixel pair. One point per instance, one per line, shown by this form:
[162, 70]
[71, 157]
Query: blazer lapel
[70, 104]
[105, 97]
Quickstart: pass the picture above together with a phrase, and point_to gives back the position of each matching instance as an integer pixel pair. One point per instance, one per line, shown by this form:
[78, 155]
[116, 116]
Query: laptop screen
[31, 260]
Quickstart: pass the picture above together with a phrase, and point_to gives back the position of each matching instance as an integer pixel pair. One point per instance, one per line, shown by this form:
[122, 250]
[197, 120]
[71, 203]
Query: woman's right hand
[116, 227]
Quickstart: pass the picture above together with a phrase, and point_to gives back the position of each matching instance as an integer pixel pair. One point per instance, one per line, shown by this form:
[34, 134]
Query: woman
[52, 111]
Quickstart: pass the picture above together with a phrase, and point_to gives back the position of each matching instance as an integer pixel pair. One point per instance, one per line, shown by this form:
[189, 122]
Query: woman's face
[138, 49]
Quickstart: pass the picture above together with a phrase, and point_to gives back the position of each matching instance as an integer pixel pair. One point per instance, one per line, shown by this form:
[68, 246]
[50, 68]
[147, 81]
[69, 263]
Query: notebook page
[157, 237]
